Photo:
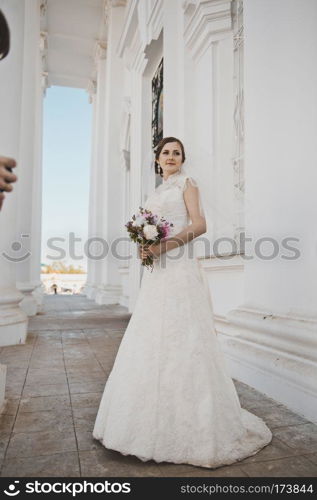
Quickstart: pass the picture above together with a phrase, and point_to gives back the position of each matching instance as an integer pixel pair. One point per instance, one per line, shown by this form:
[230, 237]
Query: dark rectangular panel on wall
[157, 105]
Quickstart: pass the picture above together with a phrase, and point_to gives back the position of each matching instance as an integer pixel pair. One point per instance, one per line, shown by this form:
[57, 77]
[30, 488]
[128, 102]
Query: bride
[169, 396]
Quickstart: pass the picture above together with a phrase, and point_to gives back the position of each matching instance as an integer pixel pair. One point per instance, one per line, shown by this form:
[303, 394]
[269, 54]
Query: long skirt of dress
[170, 396]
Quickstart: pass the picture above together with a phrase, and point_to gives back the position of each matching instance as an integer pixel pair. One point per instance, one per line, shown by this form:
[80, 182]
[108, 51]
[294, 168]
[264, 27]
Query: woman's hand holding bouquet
[148, 230]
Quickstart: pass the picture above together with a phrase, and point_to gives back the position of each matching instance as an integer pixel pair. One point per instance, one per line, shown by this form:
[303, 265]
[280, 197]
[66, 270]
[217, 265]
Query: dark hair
[4, 37]
[160, 146]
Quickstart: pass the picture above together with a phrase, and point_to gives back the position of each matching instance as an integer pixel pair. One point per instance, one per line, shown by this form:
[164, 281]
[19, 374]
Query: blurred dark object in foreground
[4, 37]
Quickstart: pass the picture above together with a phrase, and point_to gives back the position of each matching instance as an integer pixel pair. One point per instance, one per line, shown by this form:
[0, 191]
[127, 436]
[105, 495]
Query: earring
[160, 170]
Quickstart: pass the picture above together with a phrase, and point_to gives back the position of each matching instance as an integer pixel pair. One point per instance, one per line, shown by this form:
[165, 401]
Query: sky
[66, 165]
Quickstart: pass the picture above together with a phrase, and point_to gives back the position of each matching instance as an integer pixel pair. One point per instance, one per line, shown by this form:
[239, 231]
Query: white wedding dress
[169, 396]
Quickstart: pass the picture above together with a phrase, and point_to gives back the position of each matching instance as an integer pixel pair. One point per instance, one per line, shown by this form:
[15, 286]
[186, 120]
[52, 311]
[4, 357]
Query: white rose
[150, 232]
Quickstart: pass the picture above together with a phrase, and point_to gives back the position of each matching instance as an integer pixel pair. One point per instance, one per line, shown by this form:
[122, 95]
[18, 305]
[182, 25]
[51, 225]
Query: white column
[277, 323]
[13, 321]
[89, 286]
[135, 178]
[37, 202]
[111, 182]
[125, 131]
[29, 187]
[96, 247]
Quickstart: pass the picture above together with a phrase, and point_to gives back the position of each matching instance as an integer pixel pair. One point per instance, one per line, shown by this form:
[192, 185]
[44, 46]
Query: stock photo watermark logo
[12, 490]
[17, 251]
[97, 248]
[72, 488]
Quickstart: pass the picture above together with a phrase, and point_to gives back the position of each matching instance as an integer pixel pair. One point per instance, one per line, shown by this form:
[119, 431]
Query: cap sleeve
[188, 181]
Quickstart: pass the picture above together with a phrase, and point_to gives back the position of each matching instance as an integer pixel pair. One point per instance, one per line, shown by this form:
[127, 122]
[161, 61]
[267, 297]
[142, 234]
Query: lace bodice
[167, 201]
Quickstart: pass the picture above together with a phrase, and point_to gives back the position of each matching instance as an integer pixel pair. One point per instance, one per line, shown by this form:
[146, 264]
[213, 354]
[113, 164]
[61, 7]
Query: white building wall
[275, 341]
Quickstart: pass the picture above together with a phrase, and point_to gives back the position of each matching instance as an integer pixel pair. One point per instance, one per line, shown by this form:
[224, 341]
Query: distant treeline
[61, 268]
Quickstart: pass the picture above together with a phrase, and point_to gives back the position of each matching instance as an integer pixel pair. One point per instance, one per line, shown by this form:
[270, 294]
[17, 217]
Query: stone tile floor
[54, 385]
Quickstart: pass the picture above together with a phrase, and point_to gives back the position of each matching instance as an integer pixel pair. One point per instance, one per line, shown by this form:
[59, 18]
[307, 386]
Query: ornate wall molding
[43, 8]
[208, 23]
[143, 24]
[129, 28]
[134, 56]
[188, 3]
[125, 132]
[238, 117]
[189, 7]
[155, 21]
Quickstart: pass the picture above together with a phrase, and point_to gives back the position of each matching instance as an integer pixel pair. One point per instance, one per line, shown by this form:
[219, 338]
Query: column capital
[43, 44]
[91, 89]
[44, 80]
[100, 50]
[43, 41]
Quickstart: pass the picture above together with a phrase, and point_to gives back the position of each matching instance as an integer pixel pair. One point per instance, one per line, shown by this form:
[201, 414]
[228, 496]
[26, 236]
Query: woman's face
[170, 158]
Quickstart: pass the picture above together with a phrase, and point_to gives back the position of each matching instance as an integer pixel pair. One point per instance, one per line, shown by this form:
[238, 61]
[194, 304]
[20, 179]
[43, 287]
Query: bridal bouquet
[146, 229]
